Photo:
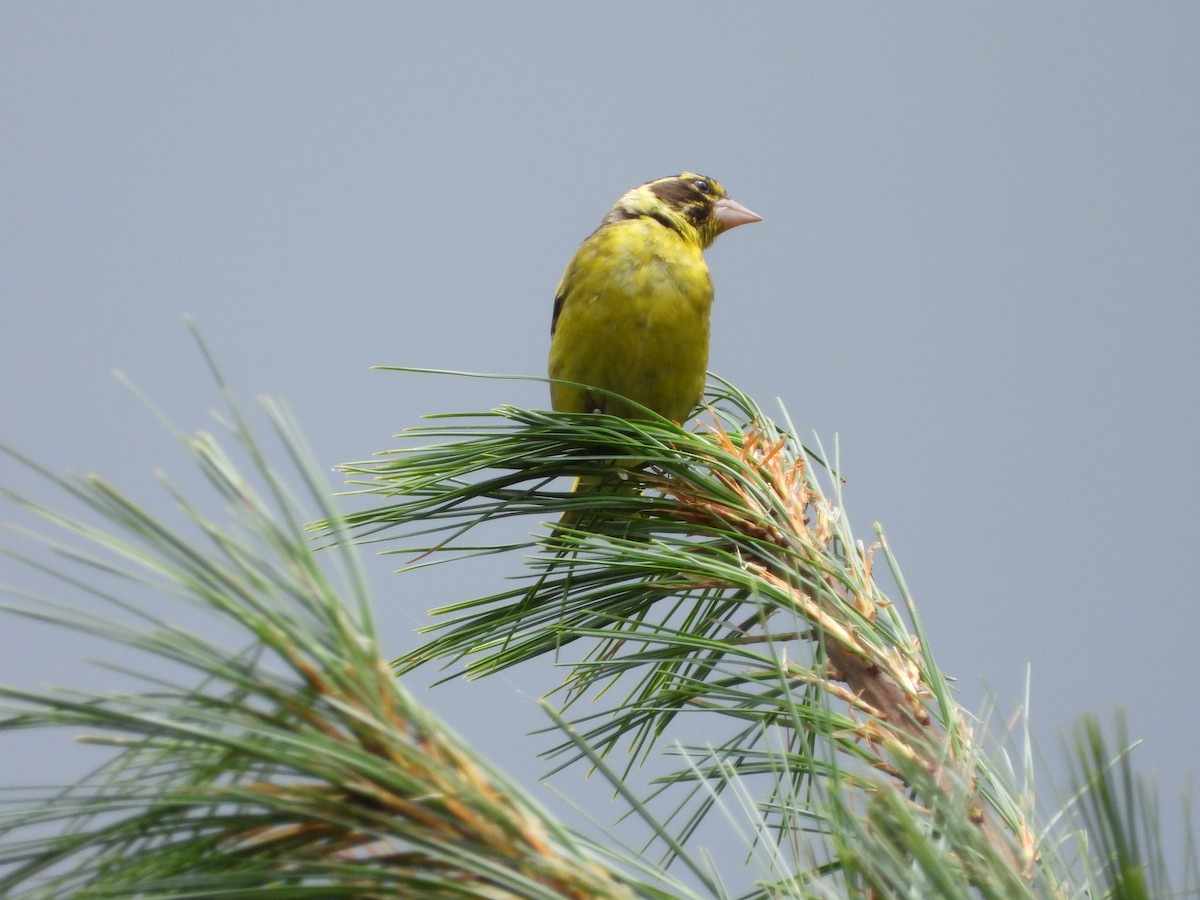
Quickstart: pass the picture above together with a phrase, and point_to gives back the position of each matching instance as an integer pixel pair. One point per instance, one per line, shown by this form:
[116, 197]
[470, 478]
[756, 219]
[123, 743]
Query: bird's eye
[702, 185]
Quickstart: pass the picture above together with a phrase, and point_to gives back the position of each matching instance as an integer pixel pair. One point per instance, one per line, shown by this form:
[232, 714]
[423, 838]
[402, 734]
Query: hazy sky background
[978, 268]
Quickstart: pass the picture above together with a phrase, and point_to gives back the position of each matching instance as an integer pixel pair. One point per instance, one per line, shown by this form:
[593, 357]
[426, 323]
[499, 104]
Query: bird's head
[693, 205]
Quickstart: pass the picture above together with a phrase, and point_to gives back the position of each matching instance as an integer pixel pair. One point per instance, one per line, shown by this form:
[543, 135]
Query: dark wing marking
[558, 305]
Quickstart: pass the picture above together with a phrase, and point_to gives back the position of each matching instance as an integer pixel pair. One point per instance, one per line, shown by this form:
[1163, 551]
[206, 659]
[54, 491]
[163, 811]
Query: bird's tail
[574, 518]
[582, 518]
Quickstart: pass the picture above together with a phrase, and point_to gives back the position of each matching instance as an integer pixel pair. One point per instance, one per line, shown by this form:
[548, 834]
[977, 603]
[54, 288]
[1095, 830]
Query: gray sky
[978, 269]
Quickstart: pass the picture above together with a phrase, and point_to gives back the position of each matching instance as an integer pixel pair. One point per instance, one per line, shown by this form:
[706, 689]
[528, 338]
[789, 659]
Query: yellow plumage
[631, 314]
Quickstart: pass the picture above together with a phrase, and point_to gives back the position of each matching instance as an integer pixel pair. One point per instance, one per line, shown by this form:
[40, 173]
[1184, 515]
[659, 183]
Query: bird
[631, 313]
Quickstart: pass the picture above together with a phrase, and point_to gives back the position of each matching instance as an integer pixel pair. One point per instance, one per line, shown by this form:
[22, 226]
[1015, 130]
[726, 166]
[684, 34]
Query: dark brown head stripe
[684, 197]
[677, 193]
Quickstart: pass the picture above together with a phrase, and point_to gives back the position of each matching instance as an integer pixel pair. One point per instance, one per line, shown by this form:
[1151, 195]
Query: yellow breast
[632, 317]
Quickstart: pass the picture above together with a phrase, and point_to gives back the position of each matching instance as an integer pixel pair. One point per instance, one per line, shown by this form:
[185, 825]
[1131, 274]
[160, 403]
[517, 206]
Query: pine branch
[679, 580]
[295, 766]
[714, 575]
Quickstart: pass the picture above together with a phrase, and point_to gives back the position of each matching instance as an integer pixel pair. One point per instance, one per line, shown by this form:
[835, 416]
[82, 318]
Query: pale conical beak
[731, 214]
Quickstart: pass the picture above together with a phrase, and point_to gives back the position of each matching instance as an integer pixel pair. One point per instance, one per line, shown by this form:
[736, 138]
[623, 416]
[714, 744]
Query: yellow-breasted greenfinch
[631, 314]
[632, 310]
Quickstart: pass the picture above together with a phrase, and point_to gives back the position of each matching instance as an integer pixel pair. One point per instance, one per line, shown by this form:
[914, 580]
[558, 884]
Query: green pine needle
[709, 584]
